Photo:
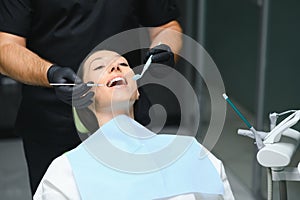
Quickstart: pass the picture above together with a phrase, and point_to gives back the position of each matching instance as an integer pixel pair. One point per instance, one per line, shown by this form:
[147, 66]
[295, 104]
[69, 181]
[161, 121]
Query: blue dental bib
[124, 160]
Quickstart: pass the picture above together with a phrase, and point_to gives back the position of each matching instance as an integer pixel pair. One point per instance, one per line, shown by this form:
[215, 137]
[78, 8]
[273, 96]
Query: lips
[116, 81]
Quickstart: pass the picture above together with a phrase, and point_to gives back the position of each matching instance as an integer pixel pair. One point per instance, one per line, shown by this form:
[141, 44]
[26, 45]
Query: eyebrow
[90, 64]
[99, 58]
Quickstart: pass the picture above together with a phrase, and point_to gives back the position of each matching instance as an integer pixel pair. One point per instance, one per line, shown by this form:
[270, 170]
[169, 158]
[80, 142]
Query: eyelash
[124, 64]
[99, 67]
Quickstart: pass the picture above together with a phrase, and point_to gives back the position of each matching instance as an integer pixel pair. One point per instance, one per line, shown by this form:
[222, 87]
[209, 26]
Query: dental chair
[277, 150]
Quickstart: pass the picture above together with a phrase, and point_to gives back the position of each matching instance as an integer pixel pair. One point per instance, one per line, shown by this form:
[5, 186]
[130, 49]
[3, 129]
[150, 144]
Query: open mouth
[118, 81]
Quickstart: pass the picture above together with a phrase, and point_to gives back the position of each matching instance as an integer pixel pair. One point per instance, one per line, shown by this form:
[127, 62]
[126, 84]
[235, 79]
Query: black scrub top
[64, 32]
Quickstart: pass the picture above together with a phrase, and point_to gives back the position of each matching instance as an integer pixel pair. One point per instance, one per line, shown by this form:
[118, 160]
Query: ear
[137, 95]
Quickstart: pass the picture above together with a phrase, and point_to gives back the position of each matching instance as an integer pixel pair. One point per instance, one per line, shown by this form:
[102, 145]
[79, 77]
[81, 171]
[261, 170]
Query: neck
[104, 116]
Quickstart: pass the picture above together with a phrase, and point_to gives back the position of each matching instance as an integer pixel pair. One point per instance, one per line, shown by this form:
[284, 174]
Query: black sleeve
[15, 16]
[157, 12]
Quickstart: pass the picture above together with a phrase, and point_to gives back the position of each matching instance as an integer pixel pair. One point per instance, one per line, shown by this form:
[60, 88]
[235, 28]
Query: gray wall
[232, 36]
[232, 41]
[283, 81]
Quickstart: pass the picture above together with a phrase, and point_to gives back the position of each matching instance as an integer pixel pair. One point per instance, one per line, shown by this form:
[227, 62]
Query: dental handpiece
[74, 84]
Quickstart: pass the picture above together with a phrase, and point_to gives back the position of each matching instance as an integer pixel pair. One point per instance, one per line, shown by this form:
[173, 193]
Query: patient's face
[112, 70]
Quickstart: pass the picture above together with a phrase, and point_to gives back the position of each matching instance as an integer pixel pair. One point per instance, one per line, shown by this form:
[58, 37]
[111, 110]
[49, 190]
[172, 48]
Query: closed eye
[99, 67]
[124, 64]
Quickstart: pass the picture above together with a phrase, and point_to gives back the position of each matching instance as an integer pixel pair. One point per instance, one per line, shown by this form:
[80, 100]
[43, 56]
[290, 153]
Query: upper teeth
[115, 80]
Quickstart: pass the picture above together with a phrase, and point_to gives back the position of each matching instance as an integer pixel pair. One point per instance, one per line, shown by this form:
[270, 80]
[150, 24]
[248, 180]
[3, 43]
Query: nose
[115, 67]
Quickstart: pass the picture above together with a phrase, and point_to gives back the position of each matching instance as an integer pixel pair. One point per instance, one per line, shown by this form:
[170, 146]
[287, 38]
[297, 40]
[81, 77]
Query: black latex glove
[162, 54]
[78, 96]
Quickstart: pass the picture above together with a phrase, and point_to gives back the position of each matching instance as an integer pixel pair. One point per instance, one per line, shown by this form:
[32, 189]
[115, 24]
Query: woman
[123, 159]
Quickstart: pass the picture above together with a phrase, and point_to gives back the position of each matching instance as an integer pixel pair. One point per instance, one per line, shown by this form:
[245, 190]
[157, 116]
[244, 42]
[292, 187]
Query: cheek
[95, 76]
[101, 94]
[133, 86]
[132, 89]
[102, 97]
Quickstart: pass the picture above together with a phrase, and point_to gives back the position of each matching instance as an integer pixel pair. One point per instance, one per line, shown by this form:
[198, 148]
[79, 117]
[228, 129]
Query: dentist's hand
[78, 96]
[162, 54]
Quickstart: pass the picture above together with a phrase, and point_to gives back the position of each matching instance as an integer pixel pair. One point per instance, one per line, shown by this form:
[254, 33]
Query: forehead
[101, 55]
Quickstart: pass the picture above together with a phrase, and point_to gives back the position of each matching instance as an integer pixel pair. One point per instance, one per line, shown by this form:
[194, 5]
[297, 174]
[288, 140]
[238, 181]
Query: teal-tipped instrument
[237, 111]
[258, 140]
